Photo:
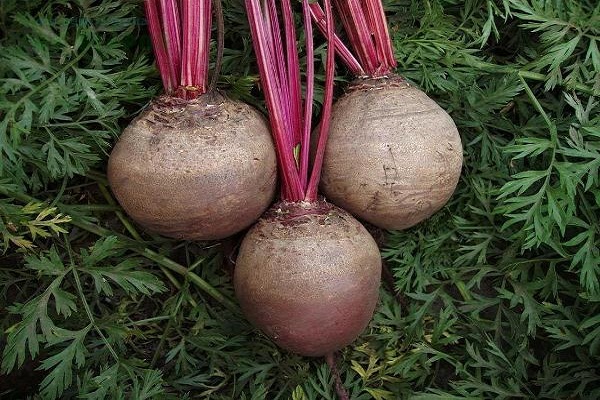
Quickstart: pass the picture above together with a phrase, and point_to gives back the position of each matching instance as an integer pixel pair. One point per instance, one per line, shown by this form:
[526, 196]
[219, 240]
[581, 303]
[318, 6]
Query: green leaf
[150, 385]
[62, 363]
[128, 276]
[23, 336]
[50, 265]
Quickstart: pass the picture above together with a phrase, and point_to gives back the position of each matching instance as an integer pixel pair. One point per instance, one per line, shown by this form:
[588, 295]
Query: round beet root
[199, 169]
[393, 157]
[308, 276]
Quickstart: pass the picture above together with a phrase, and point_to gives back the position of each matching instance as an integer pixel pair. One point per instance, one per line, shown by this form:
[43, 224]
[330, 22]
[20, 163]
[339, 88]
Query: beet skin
[199, 169]
[393, 157]
[308, 276]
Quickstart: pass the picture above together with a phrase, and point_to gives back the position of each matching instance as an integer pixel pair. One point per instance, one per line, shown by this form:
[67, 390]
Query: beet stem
[180, 34]
[355, 21]
[167, 74]
[381, 35]
[201, 67]
[170, 15]
[339, 386]
[368, 35]
[279, 68]
[318, 15]
[308, 100]
[313, 185]
[218, 5]
[293, 62]
[270, 62]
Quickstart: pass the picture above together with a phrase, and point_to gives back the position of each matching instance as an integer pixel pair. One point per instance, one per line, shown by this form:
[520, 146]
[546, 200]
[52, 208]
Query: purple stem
[154, 27]
[311, 191]
[308, 101]
[170, 17]
[345, 54]
[266, 51]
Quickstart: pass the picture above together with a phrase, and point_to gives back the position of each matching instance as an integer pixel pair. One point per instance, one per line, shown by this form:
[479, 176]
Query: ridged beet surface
[393, 157]
[202, 169]
[308, 275]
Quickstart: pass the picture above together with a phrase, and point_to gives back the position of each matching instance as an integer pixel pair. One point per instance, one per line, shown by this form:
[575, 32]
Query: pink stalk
[359, 32]
[311, 192]
[279, 68]
[295, 93]
[190, 43]
[308, 101]
[345, 54]
[365, 25]
[377, 22]
[167, 74]
[170, 16]
[265, 49]
[200, 67]
[181, 43]
[278, 60]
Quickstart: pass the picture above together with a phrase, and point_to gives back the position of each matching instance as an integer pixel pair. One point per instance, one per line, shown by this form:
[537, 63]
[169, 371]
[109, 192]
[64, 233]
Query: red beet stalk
[290, 117]
[365, 24]
[180, 34]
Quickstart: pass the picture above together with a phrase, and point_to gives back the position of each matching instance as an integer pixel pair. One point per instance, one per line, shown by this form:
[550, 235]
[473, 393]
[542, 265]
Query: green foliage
[497, 295]
[67, 73]
[33, 220]
[64, 298]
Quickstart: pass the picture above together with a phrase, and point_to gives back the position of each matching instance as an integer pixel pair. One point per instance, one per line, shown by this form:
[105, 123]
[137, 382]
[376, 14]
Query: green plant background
[496, 296]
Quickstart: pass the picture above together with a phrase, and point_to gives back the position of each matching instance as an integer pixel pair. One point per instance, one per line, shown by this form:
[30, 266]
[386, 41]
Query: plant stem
[201, 67]
[272, 66]
[308, 101]
[359, 33]
[86, 306]
[167, 73]
[280, 76]
[318, 15]
[368, 34]
[339, 386]
[190, 43]
[311, 192]
[220, 44]
[293, 70]
[381, 36]
[180, 31]
[172, 34]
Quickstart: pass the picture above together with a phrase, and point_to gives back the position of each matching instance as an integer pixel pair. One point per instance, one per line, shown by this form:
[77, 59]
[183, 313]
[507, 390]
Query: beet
[198, 169]
[393, 157]
[308, 275]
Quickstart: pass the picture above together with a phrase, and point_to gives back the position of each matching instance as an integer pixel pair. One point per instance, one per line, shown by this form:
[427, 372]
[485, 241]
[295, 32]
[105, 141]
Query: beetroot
[195, 169]
[394, 156]
[194, 165]
[308, 276]
[307, 273]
